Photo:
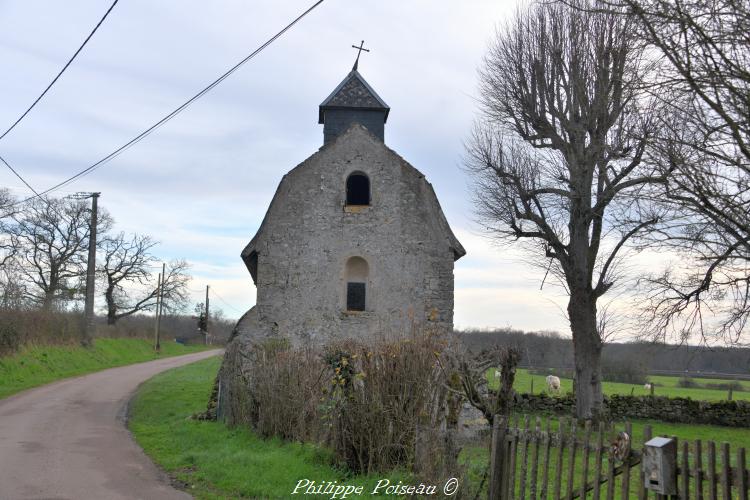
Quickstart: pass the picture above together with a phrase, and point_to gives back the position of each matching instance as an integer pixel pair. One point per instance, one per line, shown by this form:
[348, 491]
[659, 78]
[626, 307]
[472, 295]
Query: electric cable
[180, 108]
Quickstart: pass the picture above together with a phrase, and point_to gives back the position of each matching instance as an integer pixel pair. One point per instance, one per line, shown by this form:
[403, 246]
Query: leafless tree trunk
[7, 210]
[11, 290]
[704, 147]
[128, 261]
[558, 158]
[467, 377]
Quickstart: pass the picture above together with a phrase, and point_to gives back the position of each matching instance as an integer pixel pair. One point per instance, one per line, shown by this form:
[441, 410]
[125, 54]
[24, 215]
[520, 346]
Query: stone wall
[309, 234]
[677, 410]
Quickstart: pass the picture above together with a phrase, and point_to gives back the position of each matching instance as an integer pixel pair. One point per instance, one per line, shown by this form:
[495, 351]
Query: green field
[37, 365]
[665, 386]
[476, 457]
[213, 461]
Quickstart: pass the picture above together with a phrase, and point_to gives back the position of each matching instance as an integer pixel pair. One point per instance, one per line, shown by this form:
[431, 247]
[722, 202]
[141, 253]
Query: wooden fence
[561, 460]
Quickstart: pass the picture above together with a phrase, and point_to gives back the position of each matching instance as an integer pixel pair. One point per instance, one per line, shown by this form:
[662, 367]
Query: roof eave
[322, 110]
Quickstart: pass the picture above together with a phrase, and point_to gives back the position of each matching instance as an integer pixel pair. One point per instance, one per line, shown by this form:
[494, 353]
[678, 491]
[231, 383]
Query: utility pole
[88, 310]
[207, 286]
[160, 304]
[156, 315]
[161, 301]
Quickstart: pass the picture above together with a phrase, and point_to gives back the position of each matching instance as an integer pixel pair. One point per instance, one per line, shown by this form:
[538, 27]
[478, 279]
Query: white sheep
[647, 386]
[553, 383]
[497, 373]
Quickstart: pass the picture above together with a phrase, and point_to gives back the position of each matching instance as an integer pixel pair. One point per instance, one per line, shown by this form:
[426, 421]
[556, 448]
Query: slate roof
[353, 92]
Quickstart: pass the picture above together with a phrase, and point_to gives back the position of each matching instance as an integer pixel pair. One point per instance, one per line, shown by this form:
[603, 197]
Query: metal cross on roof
[359, 48]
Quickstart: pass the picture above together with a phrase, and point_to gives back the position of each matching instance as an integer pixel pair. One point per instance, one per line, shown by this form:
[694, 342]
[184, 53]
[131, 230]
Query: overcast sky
[202, 183]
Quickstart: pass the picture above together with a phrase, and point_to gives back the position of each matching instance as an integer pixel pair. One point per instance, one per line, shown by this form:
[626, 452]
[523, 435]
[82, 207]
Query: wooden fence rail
[560, 459]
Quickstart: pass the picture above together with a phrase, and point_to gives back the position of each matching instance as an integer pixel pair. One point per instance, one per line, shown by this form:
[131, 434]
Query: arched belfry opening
[356, 274]
[357, 189]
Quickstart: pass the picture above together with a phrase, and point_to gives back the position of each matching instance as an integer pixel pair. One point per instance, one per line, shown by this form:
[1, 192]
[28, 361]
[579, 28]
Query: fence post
[741, 474]
[497, 457]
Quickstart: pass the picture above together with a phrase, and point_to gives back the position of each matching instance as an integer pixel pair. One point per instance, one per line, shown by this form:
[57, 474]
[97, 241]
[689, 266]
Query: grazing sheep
[647, 386]
[497, 373]
[553, 383]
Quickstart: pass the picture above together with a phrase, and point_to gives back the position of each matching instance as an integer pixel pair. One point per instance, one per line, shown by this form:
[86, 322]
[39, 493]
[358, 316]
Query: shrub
[378, 395]
[20, 327]
[279, 390]
[624, 372]
[10, 339]
[373, 403]
[687, 382]
[725, 386]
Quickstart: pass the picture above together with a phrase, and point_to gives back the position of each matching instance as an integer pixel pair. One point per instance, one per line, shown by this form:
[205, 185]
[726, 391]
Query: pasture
[664, 386]
[476, 458]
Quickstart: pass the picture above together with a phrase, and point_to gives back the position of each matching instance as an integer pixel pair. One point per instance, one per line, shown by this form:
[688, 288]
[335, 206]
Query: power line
[15, 172]
[180, 108]
[19, 176]
[24, 189]
[57, 77]
[225, 302]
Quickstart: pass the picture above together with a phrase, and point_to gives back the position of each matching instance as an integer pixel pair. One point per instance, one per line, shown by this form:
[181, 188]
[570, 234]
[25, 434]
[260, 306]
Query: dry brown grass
[20, 328]
[29, 327]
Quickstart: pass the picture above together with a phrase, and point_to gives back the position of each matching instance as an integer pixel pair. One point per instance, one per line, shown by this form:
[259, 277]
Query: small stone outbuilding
[354, 242]
[353, 245]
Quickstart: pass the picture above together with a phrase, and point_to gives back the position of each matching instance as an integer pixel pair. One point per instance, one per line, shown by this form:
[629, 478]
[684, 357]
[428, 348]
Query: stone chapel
[354, 242]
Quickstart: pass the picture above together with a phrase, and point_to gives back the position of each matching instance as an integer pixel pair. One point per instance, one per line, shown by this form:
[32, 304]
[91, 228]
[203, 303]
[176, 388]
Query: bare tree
[558, 158]
[11, 289]
[8, 208]
[128, 262]
[467, 375]
[704, 147]
[51, 236]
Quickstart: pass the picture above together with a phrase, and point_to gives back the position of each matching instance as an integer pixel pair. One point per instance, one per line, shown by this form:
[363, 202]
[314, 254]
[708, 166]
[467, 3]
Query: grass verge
[38, 365]
[213, 461]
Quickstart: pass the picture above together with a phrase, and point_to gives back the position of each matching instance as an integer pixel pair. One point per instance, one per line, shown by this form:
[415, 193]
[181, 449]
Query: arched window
[252, 265]
[356, 275]
[357, 189]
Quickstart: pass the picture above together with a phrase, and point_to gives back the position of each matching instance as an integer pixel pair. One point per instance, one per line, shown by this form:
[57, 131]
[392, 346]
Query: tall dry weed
[378, 405]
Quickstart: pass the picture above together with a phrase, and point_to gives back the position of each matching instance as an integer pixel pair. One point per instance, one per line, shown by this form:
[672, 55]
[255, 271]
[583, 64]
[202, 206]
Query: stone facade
[299, 255]
[353, 245]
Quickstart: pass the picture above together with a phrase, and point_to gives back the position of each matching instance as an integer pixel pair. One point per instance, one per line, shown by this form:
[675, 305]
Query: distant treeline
[552, 350]
[23, 327]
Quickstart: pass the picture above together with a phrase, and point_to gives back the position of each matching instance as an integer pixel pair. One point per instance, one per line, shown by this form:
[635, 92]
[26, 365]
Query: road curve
[67, 440]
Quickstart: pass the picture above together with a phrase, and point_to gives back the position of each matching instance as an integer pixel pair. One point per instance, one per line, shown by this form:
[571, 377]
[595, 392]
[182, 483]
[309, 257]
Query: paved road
[67, 440]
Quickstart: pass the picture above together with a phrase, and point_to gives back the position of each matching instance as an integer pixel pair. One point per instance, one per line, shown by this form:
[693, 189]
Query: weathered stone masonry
[299, 256]
[315, 257]
[309, 234]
